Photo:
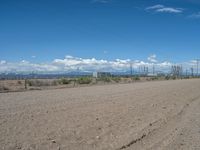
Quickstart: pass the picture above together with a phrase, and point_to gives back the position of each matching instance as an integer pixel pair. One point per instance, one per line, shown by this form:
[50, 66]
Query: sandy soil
[152, 115]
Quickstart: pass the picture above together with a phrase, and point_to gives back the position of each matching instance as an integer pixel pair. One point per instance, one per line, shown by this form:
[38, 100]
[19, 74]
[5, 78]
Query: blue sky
[41, 31]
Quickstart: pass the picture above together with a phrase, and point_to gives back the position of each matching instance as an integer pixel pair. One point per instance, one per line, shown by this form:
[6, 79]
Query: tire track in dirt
[169, 127]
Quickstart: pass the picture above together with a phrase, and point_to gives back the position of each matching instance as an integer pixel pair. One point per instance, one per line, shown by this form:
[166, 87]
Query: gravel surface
[151, 115]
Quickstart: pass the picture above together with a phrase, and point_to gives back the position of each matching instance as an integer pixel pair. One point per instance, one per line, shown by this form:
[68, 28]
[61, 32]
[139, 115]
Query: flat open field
[151, 115]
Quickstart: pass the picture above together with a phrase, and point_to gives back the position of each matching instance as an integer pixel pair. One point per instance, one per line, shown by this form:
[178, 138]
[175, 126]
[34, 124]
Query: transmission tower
[192, 71]
[153, 69]
[131, 68]
[186, 72]
[197, 66]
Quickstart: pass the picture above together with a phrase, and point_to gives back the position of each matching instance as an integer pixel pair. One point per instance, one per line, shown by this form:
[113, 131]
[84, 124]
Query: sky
[63, 35]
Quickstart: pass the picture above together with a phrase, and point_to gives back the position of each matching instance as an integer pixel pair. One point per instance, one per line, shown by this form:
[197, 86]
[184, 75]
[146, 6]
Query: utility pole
[153, 69]
[146, 70]
[192, 71]
[181, 71]
[131, 68]
[186, 72]
[197, 66]
[133, 71]
[78, 71]
[139, 70]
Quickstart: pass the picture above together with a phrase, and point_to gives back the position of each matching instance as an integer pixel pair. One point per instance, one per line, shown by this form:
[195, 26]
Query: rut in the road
[133, 142]
[161, 124]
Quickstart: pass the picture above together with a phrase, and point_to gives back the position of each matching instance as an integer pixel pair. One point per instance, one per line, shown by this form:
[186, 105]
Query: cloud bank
[70, 63]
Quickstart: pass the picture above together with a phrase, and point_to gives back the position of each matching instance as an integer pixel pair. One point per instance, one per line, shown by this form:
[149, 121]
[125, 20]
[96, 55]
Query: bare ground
[152, 115]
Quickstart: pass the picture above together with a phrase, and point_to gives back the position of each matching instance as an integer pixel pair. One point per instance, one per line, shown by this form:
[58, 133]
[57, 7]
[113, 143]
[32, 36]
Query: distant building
[152, 75]
[101, 74]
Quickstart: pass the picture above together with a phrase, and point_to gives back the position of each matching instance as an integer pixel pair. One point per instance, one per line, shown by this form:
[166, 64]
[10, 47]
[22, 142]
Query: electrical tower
[153, 69]
[176, 70]
[192, 71]
[131, 69]
[197, 66]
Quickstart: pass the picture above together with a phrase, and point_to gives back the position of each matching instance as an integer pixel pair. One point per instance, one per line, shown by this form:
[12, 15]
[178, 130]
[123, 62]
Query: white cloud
[194, 62]
[164, 9]
[2, 62]
[165, 63]
[33, 56]
[195, 16]
[155, 7]
[170, 10]
[25, 66]
[152, 58]
[25, 62]
[92, 64]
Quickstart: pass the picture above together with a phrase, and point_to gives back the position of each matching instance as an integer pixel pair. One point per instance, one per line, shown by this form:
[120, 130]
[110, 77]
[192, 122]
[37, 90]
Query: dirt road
[152, 115]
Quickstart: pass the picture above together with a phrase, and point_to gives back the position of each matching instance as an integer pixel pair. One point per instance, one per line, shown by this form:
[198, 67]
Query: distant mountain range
[53, 75]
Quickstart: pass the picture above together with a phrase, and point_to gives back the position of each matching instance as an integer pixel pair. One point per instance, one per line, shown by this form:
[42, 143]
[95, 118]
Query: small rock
[53, 141]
